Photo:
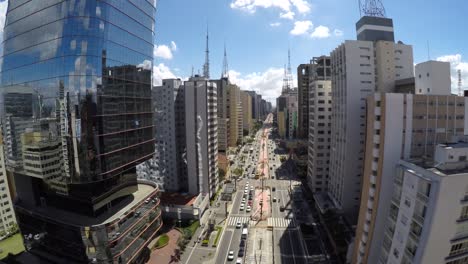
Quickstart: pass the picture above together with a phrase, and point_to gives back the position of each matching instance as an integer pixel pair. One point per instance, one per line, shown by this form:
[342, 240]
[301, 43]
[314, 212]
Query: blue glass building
[76, 119]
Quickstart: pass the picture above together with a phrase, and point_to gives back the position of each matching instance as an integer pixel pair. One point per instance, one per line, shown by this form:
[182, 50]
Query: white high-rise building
[167, 167]
[428, 217]
[7, 215]
[201, 135]
[399, 126]
[359, 68]
[319, 106]
[432, 77]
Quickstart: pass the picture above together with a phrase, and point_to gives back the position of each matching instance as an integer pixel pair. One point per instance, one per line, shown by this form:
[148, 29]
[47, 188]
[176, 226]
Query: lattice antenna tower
[287, 79]
[225, 73]
[460, 89]
[206, 66]
[373, 8]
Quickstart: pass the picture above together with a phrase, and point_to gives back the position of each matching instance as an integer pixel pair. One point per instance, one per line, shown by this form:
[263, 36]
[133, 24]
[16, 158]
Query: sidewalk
[163, 255]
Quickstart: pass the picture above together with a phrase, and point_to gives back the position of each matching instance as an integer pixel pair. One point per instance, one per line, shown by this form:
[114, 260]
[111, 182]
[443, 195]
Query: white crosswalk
[281, 222]
[233, 220]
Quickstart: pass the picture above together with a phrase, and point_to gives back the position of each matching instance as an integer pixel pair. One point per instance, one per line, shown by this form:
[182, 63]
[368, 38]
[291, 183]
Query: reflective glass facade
[76, 111]
[78, 73]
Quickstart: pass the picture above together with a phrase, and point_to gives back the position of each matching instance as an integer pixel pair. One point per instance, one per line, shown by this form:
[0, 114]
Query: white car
[231, 256]
[248, 209]
[241, 207]
[238, 225]
[243, 199]
[239, 261]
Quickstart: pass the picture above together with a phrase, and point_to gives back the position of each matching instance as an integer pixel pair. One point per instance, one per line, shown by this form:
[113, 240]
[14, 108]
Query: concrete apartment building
[303, 75]
[292, 115]
[235, 118]
[167, 168]
[319, 123]
[7, 214]
[223, 115]
[281, 112]
[432, 77]
[428, 217]
[372, 63]
[399, 126]
[201, 135]
[246, 101]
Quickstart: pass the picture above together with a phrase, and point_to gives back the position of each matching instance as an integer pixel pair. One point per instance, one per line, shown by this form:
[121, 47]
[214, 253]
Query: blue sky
[257, 37]
[258, 33]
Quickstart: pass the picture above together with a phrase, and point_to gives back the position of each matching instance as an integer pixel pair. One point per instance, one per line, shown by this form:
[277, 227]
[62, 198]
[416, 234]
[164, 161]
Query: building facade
[7, 214]
[418, 123]
[201, 136]
[246, 101]
[223, 114]
[167, 168]
[371, 64]
[426, 222]
[432, 77]
[91, 79]
[234, 110]
[319, 123]
[303, 75]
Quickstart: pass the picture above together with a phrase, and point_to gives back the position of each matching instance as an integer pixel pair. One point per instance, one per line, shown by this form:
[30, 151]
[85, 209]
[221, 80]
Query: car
[231, 256]
[274, 199]
[241, 252]
[238, 225]
[239, 261]
[147, 200]
[137, 214]
[248, 209]
[241, 208]
[243, 199]
[273, 189]
[281, 208]
[249, 202]
[242, 244]
[251, 188]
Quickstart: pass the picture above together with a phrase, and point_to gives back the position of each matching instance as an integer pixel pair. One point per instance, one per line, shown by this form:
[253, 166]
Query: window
[462, 158]
[464, 213]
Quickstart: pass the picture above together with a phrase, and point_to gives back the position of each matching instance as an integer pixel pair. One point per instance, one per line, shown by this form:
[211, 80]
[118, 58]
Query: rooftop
[177, 198]
[117, 211]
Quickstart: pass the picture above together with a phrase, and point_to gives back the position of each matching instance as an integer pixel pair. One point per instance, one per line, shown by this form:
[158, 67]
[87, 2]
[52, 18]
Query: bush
[219, 230]
[162, 241]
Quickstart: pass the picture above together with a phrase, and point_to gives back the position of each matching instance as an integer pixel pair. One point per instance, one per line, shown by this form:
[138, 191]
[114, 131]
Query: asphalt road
[287, 244]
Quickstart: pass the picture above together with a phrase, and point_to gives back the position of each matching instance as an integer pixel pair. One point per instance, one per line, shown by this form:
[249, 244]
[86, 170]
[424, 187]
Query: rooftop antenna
[373, 8]
[206, 66]
[460, 90]
[192, 70]
[225, 73]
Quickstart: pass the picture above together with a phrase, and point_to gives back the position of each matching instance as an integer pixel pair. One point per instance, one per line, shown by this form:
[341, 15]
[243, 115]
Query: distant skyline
[258, 33]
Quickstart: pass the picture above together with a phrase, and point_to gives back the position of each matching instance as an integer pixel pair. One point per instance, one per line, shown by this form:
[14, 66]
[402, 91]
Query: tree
[237, 172]
[221, 175]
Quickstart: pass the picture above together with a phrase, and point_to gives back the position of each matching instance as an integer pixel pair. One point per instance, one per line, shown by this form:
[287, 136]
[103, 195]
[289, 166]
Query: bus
[245, 232]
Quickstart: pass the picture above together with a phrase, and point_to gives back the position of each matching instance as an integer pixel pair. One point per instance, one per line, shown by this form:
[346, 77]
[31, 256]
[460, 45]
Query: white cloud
[321, 32]
[301, 27]
[161, 72]
[276, 24]
[173, 46]
[252, 5]
[162, 51]
[456, 63]
[288, 15]
[302, 6]
[267, 83]
[338, 33]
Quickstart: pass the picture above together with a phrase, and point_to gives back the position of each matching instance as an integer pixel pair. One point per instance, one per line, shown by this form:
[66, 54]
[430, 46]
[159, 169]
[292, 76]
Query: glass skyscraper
[77, 119]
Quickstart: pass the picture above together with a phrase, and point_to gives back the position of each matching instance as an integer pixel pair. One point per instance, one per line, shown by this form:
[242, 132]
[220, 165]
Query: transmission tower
[460, 90]
[225, 73]
[206, 66]
[287, 79]
[373, 8]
